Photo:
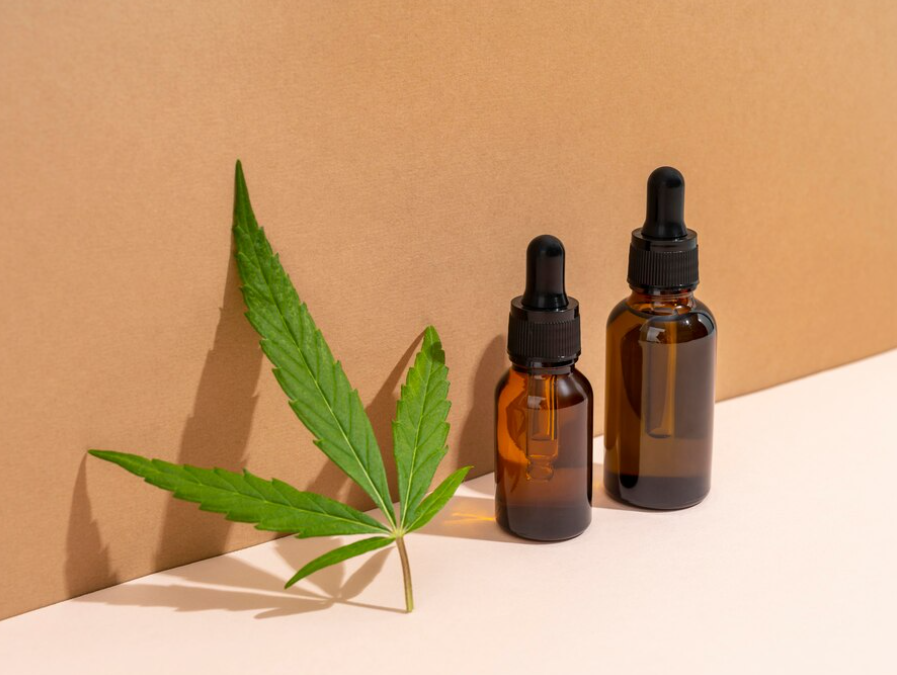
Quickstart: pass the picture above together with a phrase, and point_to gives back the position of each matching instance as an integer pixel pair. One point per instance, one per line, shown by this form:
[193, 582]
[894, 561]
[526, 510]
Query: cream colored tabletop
[789, 566]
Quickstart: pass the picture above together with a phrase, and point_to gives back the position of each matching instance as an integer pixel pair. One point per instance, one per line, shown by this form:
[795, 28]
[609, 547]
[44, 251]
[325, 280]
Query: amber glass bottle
[543, 410]
[661, 357]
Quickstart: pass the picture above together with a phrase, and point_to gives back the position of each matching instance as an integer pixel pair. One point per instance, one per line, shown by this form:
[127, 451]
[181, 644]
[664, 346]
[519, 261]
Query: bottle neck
[544, 368]
[651, 301]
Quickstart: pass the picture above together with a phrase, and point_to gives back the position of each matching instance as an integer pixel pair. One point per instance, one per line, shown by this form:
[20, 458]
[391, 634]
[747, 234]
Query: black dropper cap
[663, 255]
[544, 324]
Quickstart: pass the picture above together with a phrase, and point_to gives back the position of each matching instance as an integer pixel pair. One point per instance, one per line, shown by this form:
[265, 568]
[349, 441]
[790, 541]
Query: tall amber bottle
[543, 409]
[661, 357]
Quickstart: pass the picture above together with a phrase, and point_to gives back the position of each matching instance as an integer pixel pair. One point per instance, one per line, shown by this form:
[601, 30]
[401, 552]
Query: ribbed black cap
[544, 323]
[663, 255]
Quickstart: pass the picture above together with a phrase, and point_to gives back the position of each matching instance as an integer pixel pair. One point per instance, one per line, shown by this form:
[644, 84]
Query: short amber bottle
[661, 357]
[543, 410]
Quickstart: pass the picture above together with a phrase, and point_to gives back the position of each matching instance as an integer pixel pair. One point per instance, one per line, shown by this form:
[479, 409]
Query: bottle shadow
[467, 517]
[473, 517]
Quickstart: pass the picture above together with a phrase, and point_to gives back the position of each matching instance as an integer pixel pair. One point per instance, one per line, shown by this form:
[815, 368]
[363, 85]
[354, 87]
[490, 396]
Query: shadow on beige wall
[217, 431]
[87, 564]
[215, 434]
[475, 446]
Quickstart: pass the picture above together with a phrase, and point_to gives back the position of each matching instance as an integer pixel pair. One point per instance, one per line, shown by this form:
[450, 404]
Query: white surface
[789, 566]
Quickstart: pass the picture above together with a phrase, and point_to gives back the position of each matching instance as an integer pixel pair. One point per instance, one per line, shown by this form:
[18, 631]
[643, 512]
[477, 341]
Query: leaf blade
[420, 428]
[434, 502]
[314, 382]
[273, 505]
[338, 555]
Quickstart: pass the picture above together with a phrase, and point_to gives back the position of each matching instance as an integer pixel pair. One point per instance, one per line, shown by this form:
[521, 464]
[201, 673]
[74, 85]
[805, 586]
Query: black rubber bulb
[545, 274]
[665, 217]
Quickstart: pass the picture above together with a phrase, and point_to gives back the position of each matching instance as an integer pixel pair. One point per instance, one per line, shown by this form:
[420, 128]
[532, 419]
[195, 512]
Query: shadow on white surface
[230, 583]
[202, 590]
[470, 518]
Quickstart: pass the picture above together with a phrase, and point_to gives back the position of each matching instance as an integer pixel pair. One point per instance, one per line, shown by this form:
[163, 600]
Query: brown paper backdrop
[401, 155]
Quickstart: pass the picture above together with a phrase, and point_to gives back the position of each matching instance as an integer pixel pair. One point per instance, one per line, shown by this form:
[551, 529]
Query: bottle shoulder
[582, 382]
[663, 325]
[520, 388]
[620, 309]
[701, 308]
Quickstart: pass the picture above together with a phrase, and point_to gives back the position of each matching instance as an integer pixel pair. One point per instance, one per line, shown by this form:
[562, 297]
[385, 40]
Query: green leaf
[322, 398]
[420, 428]
[318, 389]
[337, 555]
[438, 498]
[246, 498]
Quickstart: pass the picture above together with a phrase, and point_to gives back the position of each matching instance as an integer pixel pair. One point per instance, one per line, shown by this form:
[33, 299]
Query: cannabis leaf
[419, 430]
[322, 398]
[433, 504]
[272, 505]
[337, 555]
[318, 389]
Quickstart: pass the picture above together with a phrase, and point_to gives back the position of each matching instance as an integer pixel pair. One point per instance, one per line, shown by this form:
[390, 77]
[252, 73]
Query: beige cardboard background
[400, 155]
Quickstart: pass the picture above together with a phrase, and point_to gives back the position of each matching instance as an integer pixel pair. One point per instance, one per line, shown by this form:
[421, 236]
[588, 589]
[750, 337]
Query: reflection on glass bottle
[534, 418]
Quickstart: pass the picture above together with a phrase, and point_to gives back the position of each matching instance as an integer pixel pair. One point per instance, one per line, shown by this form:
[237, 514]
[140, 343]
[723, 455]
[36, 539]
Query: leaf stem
[406, 574]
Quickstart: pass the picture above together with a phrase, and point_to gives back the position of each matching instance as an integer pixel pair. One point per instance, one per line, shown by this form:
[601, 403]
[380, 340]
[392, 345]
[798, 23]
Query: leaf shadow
[87, 562]
[215, 434]
[234, 585]
[476, 440]
[217, 431]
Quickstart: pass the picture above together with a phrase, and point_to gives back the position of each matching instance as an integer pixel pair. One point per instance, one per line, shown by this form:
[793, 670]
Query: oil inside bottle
[660, 387]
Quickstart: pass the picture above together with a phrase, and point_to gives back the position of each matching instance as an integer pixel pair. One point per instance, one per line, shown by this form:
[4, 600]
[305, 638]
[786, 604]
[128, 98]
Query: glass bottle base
[657, 493]
[543, 523]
